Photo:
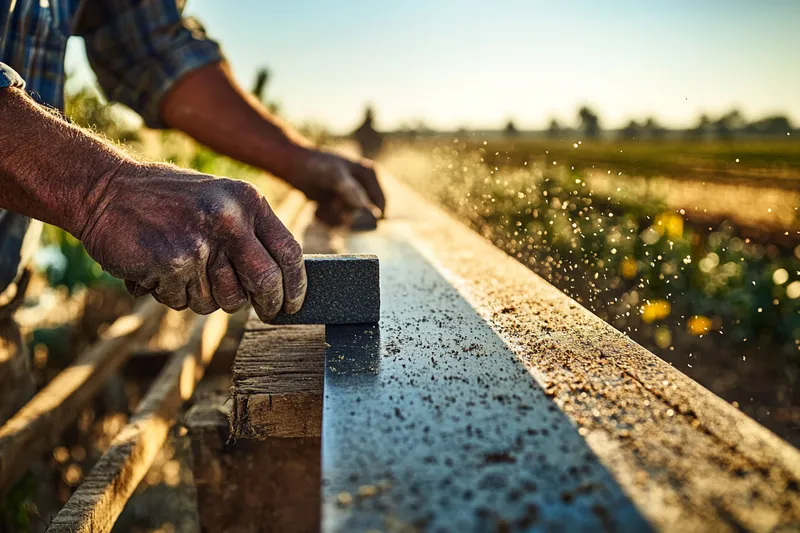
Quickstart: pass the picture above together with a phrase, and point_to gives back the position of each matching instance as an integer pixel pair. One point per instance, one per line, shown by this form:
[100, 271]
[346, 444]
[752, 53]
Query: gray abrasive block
[342, 289]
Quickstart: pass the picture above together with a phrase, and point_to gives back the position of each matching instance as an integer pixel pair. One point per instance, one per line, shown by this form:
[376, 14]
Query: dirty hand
[194, 240]
[340, 186]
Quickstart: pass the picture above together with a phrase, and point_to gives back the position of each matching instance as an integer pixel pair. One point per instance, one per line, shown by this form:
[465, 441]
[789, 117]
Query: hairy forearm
[51, 170]
[210, 106]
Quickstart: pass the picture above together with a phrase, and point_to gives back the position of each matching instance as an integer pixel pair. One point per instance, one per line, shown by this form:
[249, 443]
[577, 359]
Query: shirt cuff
[10, 78]
[192, 56]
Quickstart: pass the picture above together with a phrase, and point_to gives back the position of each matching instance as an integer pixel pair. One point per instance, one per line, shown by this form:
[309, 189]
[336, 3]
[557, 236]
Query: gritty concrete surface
[488, 400]
[342, 289]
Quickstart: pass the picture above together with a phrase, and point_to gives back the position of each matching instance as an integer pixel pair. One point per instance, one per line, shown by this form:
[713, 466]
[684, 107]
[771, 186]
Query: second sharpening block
[342, 289]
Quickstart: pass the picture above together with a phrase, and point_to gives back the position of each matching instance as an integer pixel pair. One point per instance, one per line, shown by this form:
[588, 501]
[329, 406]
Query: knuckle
[245, 192]
[201, 249]
[290, 253]
[233, 203]
[180, 262]
[233, 301]
[203, 307]
[268, 279]
[185, 257]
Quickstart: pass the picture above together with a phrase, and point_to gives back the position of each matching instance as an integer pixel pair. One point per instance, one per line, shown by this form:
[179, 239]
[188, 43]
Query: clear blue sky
[475, 64]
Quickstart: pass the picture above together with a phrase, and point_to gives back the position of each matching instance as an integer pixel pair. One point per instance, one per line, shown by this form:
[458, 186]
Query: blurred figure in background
[369, 140]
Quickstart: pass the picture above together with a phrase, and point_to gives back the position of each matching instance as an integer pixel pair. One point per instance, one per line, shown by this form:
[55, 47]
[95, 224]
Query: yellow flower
[655, 310]
[629, 268]
[663, 337]
[699, 325]
[672, 224]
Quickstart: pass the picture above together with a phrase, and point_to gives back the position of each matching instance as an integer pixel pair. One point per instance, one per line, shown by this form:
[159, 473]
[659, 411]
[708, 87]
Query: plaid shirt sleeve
[10, 78]
[142, 49]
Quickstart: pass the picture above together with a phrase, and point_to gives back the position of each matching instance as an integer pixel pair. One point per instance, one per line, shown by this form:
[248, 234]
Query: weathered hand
[340, 186]
[195, 240]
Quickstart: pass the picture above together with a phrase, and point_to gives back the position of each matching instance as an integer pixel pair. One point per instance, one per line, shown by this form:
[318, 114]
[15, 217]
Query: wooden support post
[262, 473]
[100, 499]
[37, 426]
[277, 382]
[16, 386]
[250, 485]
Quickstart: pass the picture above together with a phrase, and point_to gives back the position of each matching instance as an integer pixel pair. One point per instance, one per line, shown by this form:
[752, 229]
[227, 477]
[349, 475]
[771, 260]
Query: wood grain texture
[248, 485]
[16, 385]
[36, 427]
[277, 382]
[99, 500]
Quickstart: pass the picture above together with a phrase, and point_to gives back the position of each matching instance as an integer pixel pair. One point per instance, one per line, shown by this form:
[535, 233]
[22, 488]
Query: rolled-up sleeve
[142, 48]
[10, 78]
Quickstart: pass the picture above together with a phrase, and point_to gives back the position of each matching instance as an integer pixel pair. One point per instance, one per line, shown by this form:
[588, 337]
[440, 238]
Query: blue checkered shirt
[137, 48]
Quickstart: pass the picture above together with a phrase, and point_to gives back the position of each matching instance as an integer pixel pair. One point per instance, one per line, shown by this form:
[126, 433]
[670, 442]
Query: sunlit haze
[476, 64]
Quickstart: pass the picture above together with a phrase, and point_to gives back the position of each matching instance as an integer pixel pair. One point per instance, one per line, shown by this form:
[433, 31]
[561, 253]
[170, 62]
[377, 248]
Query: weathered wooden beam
[16, 385]
[99, 500]
[37, 426]
[251, 485]
[277, 382]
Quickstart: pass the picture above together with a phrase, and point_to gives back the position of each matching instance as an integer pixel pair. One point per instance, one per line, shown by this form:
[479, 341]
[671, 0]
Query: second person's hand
[339, 185]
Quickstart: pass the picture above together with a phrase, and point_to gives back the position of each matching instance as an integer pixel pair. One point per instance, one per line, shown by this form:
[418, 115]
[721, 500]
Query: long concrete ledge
[488, 400]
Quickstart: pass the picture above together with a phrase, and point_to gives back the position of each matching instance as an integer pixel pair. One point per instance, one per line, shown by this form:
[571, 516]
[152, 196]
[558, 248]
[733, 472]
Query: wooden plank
[36, 427]
[99, 500]
[249, 485]
[16, 385]
[277, 382]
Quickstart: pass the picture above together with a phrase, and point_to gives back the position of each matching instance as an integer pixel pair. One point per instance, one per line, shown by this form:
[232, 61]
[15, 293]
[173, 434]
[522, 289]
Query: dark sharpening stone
[342, 289]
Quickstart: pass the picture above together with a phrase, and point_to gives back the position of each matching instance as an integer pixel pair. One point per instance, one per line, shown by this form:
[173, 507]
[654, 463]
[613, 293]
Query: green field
[723, 307]
[768, 162]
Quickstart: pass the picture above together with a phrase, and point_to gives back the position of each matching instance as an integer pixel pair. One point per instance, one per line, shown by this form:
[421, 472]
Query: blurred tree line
[729, 126]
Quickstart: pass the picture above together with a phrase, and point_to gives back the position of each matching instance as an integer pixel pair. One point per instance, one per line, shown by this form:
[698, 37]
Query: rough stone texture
[342, 289]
